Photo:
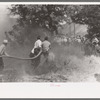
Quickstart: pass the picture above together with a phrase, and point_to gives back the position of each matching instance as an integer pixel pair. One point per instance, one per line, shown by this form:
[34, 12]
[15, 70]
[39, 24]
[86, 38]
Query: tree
[89, 15]
[46, 16]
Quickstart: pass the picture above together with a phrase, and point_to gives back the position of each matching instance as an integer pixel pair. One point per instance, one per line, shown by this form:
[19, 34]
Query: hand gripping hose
[20, 58]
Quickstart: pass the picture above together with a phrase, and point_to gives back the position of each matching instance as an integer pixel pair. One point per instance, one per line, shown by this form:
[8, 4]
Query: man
[95, 41]
[97, 47]
[37, 47]
[46, 46]
[2, 52]
[35, 51]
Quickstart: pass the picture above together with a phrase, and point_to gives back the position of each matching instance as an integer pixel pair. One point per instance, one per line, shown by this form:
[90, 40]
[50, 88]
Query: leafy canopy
[48, 16]
[89, 15]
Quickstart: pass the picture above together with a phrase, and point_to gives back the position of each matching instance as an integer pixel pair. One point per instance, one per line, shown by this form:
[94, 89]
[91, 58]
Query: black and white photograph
[49, 43]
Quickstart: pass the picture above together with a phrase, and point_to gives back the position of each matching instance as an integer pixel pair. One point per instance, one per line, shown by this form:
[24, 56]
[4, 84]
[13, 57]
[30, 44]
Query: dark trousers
[1, 64]
[36, 61]
[45, 53]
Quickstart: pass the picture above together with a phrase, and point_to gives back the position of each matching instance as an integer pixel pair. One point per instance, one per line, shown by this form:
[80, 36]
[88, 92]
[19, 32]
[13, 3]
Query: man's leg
[37, 60]
[1, 64]
[46, 55]
[1, 68]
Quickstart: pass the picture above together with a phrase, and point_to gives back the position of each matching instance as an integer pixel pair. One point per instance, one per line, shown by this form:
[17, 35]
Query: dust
[75, 65]
[65, 64]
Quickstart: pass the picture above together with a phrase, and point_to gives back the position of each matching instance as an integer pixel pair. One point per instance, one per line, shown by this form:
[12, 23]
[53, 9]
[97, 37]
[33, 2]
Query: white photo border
[50, 90]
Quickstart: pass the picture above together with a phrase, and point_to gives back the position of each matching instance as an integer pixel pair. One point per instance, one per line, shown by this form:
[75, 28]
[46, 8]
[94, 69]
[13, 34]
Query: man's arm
[35, 45]
[42, 45]
[3, 52]
[32, 50]
[6, 54]
[50, 46]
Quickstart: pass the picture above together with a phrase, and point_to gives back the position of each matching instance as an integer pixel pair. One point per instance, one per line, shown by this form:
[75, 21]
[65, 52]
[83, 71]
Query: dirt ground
[70, 65]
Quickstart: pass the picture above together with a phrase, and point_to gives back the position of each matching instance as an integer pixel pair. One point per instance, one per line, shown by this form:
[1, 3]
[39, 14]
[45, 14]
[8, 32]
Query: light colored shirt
[95, 40]
[97, 47]
[46, 45]
[2, 49]
[37, 44]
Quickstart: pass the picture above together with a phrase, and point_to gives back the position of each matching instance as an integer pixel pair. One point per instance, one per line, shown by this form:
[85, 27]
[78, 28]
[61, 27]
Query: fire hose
[20, 58]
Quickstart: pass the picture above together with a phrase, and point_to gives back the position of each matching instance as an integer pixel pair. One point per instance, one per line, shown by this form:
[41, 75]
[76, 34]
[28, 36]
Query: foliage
[89, 15]
[47, 16]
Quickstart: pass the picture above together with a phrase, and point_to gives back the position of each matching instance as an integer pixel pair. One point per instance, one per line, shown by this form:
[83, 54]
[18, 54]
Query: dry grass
[66, 64]
[69, 65]
[76, 66]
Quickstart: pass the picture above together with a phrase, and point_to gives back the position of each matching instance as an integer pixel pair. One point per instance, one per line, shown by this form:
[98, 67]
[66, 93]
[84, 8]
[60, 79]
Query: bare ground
[70, 65]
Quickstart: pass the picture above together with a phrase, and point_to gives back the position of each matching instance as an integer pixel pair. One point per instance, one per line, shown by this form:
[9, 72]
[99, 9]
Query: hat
[5, 41]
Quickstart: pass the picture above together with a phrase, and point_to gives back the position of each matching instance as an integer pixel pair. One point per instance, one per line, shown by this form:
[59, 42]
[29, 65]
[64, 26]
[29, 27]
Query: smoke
[68, 60]
[6, 22]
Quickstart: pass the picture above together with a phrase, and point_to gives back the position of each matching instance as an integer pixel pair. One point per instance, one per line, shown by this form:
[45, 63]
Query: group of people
[40, 46]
